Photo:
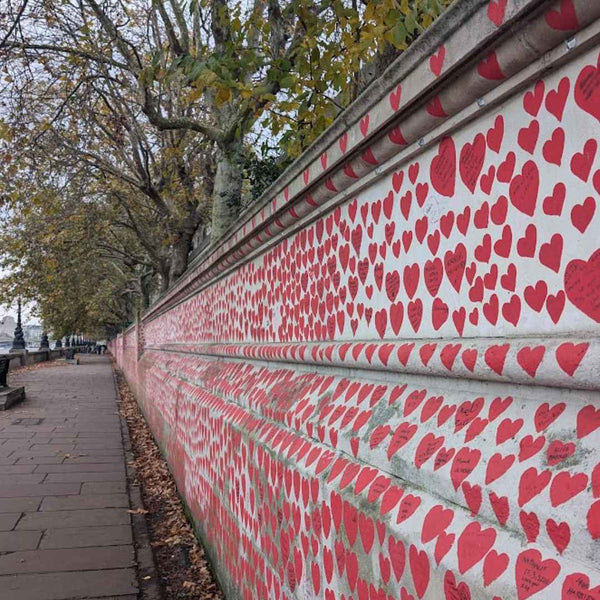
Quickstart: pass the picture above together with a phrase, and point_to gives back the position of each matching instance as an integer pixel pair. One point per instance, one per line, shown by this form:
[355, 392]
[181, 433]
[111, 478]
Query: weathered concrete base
[11, 396]
[23, 359]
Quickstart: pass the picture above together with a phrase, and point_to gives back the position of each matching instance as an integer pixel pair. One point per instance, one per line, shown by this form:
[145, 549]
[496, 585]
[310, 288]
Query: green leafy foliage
[125, 129]
[56, 253]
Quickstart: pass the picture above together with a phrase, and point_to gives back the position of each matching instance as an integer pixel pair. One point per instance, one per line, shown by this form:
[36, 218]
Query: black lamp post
[19, 339]
[44, 343]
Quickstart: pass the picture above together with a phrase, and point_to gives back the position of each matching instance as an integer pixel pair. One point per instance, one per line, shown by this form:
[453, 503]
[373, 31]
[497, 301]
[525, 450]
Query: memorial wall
[383, 383]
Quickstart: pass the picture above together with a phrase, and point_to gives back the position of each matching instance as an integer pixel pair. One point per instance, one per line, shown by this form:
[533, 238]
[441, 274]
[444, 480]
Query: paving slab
[76, 459]
[97, 451]
[39, 460]
[103, 487]
[77, 468]
[9, 469]
[8, 521]
[16, 490]
[90, 435]
[99, 445]
[65, 529]
[13, 541]
[46, 447]
[43, 450]
[79, 502]
[68, 585]
[78, 559]
[127, 597]
[12, 505]
[40, 521]
[16, 443]
[21, 478]
[80, 537]
[84, 476]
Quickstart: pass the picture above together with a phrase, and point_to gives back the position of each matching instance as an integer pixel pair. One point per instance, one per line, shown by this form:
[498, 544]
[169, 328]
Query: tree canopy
[135, 127]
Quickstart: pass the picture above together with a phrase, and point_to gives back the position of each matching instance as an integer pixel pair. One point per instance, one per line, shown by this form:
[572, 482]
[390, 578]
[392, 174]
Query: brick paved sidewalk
[64, 527]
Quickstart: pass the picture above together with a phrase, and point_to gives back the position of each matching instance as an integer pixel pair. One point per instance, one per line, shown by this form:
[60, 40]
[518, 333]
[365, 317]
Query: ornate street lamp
[19, 339]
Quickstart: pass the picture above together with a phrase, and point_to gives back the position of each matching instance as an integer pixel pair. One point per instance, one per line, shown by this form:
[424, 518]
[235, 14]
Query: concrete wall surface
[384, 383]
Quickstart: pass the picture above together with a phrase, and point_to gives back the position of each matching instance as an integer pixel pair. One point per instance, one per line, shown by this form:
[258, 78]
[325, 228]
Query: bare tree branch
[15, 24]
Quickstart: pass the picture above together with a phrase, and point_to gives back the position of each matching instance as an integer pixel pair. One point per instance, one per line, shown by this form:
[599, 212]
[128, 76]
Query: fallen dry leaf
[183, 569]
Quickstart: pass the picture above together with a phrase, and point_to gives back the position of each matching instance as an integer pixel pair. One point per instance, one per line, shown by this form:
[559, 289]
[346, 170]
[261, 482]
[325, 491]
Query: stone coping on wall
[21, 359]
[429, 90]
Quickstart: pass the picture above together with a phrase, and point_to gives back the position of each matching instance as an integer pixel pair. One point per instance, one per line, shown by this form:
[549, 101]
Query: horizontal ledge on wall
[557, 361]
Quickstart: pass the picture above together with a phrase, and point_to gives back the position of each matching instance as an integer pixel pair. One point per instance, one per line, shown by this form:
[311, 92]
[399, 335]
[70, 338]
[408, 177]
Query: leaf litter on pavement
[183, 569]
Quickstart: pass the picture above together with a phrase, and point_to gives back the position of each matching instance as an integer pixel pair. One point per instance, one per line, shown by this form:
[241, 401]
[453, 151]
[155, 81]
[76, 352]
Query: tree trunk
[146, 289]
[227, 189]
[164, 281]
[178, 258]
